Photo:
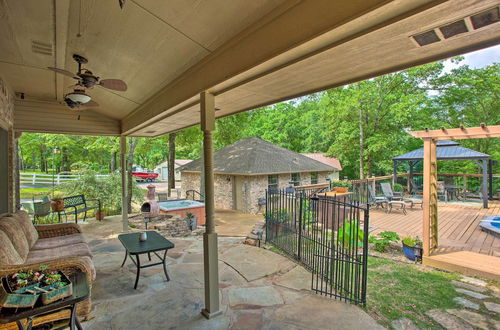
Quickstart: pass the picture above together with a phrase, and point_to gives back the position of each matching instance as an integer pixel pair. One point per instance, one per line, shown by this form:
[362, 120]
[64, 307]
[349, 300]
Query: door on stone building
[238, 192]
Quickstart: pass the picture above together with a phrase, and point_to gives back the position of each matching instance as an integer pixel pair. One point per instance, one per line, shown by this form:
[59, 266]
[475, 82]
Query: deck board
[458, 226]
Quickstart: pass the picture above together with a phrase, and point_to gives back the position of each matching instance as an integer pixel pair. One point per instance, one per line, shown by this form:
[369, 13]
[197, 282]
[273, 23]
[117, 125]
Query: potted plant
[341, 186]
[191, 220]
[57, 203]
[412, 248]
[100, 214]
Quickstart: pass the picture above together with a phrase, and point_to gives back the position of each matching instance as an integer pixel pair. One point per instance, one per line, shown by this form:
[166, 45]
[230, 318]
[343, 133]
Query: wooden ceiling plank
[61, 17]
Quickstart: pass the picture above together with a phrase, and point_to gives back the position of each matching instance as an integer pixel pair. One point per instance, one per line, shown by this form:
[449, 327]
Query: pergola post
[430, 199]
[410, 177]
[210, 254]
[123, 165]
[394, 172]
[484, 186]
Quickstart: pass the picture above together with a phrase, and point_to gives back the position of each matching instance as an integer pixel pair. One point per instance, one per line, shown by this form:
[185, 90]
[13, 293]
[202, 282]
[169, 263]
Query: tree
[171, 162]
[132, 144]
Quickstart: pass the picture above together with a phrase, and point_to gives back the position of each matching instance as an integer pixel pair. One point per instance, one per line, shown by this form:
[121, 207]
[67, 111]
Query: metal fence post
[299, 245]
[364, 265]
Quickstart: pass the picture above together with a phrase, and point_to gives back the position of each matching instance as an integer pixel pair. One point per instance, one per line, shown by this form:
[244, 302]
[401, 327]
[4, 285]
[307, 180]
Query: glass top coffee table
[134, 247]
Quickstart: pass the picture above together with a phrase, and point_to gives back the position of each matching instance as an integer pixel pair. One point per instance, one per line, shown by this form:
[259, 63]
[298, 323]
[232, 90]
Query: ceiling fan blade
[91, 104]
[114, 84]
[64, 72]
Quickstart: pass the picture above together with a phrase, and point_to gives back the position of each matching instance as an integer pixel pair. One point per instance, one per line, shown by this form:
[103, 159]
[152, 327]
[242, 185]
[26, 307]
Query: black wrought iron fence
[329, 236]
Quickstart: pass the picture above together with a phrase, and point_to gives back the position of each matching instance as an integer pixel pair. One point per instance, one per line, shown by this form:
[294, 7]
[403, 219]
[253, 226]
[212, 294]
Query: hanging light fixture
[78, 96]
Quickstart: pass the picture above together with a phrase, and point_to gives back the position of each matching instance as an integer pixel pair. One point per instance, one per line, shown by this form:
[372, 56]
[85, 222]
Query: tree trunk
[130, 160]
[361, 146]
[171, 162]
[113, 162]
[65, 160]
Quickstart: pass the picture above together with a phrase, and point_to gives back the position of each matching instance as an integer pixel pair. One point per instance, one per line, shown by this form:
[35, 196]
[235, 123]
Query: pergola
[430, 198]
[449, 150]
[188, 63]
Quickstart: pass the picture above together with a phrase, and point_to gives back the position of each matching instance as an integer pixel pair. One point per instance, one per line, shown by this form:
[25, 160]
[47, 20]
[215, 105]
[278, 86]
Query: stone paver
[254, 297]
[472, 294]
[466, 303]
[470, 286]
[474, 319]
[447, 321]
[492, 307]
[259, 304]
[404, 324]
[254, 263]
[473, 281]
[298, 278]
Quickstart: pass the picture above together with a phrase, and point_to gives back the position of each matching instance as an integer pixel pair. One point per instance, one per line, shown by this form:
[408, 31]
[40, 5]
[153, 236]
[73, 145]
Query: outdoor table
[453, 191]
[80, 293]
[154, 243]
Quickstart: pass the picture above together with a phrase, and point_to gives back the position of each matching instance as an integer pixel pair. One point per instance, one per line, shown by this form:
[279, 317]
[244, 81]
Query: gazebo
[449, 150]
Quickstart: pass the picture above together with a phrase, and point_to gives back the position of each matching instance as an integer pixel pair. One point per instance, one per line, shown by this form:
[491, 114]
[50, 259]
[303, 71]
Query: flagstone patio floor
[259, 289]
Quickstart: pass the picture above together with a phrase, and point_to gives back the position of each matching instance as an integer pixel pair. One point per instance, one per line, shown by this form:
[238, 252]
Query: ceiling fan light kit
[86, 79]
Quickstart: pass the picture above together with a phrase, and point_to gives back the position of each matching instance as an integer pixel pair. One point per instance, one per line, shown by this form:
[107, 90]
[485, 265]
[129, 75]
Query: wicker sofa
[59, 246]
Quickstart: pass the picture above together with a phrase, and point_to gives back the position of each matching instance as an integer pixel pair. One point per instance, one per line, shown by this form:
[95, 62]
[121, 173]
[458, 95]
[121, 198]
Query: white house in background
[162, 169]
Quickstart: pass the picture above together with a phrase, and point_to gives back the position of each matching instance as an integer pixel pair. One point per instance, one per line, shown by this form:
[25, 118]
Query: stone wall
[223, 186]
[7, 123]
[253, 188]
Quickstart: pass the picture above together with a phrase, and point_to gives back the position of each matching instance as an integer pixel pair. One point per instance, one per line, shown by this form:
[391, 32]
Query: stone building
[244, 170]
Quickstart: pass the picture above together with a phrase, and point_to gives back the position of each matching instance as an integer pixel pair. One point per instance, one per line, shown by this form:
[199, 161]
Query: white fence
[40, 179]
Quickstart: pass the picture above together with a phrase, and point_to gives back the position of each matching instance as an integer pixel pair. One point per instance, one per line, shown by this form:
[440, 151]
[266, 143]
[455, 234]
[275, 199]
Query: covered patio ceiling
[247, 53]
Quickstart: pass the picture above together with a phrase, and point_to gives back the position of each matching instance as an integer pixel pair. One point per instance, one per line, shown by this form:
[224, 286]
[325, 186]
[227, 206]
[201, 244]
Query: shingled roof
[446, 149]
[254, 156]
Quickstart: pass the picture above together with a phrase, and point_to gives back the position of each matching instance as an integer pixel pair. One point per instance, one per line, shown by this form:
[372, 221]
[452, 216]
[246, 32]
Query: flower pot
[57, 205]
[412, 252]
[99, 215]
[341, 189]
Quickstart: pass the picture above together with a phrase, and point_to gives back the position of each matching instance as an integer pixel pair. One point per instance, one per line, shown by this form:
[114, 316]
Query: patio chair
[41, 210]
[389, 194]
[441, 191]
[376, 200]
[415, 190]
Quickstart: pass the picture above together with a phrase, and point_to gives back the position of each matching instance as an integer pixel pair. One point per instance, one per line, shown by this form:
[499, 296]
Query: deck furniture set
[73, 205]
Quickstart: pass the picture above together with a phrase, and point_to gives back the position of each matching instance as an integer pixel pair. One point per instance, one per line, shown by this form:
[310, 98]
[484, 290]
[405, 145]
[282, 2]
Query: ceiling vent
[463, 26]
[426, 38]
[485, 18]
[453, 29]
[41, 47]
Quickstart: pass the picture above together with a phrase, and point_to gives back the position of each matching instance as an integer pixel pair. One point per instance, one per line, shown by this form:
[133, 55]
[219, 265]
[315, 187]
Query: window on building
[272, 182]
[314, 177]
[295, 179]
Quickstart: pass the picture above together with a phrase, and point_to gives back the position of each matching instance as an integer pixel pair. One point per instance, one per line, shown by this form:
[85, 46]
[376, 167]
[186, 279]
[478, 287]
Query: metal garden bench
[78, 204]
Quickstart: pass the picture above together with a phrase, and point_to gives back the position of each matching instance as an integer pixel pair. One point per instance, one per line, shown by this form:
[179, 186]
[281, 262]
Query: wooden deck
[458, 227]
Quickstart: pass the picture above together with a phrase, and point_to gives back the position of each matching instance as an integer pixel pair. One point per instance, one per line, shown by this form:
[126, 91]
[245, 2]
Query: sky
[478, 59]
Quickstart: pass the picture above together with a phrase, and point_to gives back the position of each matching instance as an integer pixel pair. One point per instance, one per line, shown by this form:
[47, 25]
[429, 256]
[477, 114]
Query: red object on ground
[145, 175]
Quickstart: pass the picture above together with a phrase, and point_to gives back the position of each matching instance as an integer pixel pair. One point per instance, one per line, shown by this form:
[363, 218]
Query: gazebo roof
[446, 149]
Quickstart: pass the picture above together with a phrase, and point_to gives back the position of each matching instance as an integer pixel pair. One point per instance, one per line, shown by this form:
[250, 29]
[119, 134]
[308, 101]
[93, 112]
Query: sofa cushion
[27, 226]
[10, 226]
[72, 250]
[8, 253]
[52, 242]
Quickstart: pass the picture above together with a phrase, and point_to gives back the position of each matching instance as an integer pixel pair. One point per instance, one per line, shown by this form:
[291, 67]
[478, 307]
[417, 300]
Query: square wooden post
[430, 199]
[123, 165]
[210, 254]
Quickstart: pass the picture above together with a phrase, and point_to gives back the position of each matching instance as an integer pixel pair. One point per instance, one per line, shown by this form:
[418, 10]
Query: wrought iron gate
[329, 236]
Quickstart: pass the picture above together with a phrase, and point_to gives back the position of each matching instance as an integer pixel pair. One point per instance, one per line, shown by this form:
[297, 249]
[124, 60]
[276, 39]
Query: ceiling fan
[86, 79]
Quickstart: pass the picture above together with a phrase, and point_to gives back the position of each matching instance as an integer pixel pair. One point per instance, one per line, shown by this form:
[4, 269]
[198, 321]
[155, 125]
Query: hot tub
[183, 206]
[491, 224]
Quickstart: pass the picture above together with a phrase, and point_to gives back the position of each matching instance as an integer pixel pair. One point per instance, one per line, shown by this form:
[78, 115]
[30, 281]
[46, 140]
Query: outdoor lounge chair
[389, 194]
[376, 200]
[441, 191]
[415, 190]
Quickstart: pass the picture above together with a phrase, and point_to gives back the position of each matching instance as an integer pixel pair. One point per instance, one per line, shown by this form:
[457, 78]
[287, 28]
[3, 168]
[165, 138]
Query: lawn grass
[397, 290]
[37, 192]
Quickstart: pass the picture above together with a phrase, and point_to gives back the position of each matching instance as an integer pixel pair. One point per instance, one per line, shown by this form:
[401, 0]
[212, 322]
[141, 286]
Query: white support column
[123, 163]
[210, 254]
